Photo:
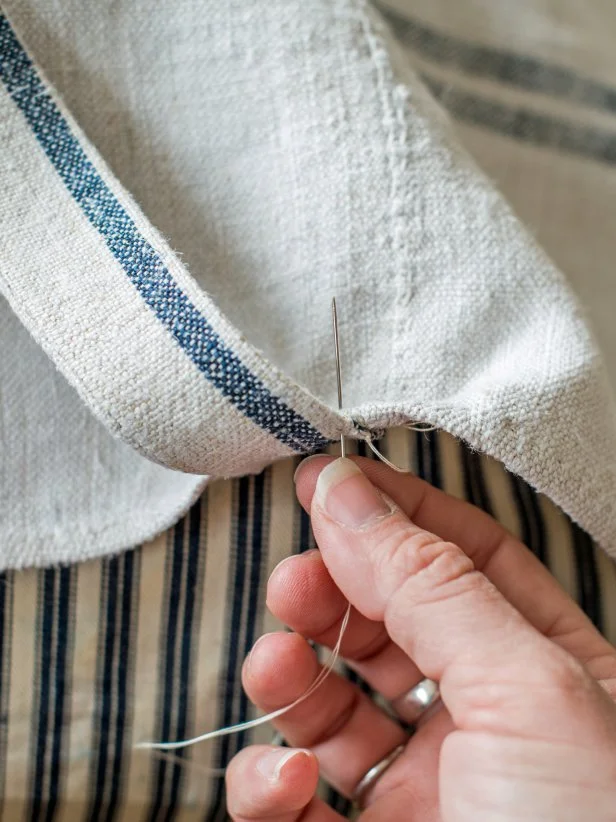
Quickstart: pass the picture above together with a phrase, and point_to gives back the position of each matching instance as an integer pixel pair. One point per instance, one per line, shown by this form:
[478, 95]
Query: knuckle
[447, 564]
[420, 568]
[403, 555]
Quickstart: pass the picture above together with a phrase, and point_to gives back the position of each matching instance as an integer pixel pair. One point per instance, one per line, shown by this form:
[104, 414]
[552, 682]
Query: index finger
[455, 625]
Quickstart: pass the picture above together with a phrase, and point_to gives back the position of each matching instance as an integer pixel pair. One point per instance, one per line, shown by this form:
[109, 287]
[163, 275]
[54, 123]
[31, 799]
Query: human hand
[528, 724]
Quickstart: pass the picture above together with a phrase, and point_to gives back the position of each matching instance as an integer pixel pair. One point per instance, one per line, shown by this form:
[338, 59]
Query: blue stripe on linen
[144, 268]
[518, 70]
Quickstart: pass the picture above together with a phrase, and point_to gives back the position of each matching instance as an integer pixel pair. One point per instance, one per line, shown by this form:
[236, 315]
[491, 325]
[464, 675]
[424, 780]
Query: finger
[447, 616]
[302, 594]
[415, 773]
[274, 784]
[494, 552]
[343, 727]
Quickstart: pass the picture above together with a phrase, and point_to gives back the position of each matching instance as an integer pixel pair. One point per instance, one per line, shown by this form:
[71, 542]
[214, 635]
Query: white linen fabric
[289, 151]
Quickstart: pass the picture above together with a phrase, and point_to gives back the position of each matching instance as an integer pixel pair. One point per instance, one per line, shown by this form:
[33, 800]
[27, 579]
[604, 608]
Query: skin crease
[527, 729]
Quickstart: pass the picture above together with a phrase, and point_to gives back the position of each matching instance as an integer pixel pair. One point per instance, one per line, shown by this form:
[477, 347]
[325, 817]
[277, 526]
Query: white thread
[260, 720]
[368, 435]
[420, 427]
[384, 459]
[324, 673]
[174, 759]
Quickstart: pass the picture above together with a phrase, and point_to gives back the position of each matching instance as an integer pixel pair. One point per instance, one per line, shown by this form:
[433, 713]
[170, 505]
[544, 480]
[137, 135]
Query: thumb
[496, 671]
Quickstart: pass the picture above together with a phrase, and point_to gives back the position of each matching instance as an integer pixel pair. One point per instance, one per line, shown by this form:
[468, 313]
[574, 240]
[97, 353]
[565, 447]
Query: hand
[528, 724]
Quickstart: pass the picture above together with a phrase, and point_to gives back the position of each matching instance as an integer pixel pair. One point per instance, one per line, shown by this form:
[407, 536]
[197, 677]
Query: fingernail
[308, 553]
[249, 658]
[272, 764]
[348, 496]
[304, 462]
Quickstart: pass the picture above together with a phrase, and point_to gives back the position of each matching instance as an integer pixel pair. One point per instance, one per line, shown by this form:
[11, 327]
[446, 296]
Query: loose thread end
[260, 720]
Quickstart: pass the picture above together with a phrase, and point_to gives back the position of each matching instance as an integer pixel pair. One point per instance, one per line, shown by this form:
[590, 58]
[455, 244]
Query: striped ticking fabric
[149, 644]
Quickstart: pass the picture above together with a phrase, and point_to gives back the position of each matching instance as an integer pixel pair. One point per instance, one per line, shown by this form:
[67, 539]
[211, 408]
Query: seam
[393, 98]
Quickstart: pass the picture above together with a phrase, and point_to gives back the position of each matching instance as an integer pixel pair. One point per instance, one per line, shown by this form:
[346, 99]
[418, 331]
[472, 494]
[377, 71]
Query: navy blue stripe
[141, 263]
[254, 583]
[6, 609]
[244, 595]
[108, 612]
[43, 675]
[335, 799]
[532, 525]
[475, 489]
[303, 539]
[241, 488]
[114, 651]
[183, 681]
[423, 464]
[588, 587]
[428, 457]
[237, 597]
[517, 70]
[123, 656]
[306, 538]
[356, 679]
[524, 125]
[169, 645]
[62, 679]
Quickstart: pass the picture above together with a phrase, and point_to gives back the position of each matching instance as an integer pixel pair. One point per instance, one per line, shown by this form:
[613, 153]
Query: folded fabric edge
[501, 444]
[118, 536]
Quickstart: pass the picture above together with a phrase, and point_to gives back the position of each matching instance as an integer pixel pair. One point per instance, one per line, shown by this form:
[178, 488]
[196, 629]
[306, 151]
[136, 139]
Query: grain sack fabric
[288, 152]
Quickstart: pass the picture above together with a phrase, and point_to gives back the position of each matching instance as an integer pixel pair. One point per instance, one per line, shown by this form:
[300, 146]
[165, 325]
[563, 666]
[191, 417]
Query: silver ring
[368, 780]
[413, 704]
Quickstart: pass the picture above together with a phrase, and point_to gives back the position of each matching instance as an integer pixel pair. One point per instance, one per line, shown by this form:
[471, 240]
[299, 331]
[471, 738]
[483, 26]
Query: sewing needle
[338, 374]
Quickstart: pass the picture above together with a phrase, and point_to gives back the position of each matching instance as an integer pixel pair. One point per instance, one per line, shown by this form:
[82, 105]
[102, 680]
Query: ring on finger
[371, 777]
[415, 702]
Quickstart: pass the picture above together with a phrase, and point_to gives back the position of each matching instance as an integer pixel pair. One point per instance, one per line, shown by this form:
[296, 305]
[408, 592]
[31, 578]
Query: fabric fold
[316, 164]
